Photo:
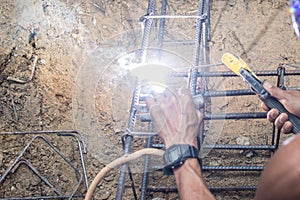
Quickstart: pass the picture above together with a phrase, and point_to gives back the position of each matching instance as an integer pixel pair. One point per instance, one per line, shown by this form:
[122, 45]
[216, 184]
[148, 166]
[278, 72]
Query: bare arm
[190, 182]
[281, 176]
[178, 122]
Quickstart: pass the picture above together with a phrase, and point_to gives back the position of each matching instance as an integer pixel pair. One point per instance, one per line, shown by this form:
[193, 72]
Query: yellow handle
[235, 63]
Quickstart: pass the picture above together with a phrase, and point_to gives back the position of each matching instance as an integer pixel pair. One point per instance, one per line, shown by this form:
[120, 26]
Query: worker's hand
[175, 117]
[289, 99]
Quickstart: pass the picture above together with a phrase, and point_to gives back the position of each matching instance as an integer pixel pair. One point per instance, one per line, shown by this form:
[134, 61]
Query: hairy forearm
[190, 182]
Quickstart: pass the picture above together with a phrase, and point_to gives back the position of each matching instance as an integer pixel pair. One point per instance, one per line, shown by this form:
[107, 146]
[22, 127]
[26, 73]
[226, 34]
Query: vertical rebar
[200, 41]
[208, 20]
[127, 141]
[198, 34]
[121, 184]
[196, 53]
[151, 9]
[142, 58]
[146, 165]
[161, 31]
[280, 84]
[205, 48]
[147, 31]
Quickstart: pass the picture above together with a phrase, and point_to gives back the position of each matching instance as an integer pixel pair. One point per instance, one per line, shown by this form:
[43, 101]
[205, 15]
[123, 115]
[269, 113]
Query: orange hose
[118, 162]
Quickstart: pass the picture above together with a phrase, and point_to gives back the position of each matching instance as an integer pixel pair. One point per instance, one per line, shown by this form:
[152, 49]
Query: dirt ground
[56, 72]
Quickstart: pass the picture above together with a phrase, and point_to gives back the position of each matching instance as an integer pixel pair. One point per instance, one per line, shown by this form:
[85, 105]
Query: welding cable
[119, 161]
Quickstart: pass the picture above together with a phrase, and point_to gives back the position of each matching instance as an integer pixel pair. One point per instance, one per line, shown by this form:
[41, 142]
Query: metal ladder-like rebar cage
[199, 76]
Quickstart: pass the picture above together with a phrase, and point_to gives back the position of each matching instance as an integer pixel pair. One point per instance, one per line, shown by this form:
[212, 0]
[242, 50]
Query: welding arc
[119, 161]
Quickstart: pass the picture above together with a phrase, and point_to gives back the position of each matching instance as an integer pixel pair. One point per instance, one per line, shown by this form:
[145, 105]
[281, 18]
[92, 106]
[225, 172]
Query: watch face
[174, 154]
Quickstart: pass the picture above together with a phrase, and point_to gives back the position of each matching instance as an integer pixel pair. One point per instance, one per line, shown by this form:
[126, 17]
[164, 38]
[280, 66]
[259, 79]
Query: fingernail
[267, 85]
[274, 115]
[281, 120]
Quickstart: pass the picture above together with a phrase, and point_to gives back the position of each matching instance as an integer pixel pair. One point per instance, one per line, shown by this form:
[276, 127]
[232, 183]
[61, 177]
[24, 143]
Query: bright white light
[153, 89]
[158, 89]
[154, 73]
[153, 77]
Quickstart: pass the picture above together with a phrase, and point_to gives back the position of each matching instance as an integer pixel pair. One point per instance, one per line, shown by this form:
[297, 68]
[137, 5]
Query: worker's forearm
[190, 182]
[281, 176]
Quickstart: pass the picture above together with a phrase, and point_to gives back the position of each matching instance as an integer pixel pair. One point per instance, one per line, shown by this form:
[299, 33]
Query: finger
[264, 106]
[175, 110]
[186, 103]
[172, 102]
[281, 119]
[272, 115]
[156, 112]
[150, 101]
[200, 116]
[287, 127]
[158, 117]
[183, 90]
[169, 93]
[274, 91]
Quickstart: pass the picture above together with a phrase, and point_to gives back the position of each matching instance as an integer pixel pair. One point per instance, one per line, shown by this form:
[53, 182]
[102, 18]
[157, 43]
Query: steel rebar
[20, 157]
[213, 189]
[228, 147]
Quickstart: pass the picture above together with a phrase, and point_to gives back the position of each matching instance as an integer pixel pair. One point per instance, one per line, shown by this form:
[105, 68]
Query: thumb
[274, 91]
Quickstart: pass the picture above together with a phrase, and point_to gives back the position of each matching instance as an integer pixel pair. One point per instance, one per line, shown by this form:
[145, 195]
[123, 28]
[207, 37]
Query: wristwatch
[176, 155]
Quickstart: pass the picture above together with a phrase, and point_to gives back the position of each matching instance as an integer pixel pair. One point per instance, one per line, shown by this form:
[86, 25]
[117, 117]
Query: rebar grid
[138, 112]
[197, 76]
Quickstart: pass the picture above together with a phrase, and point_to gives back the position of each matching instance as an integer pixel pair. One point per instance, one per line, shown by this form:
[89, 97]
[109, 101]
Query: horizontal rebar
[232, 74]
[143, 134]
[221, 168]
[232, 188]
[228, 93]
[211, 93]
[203, 17]
[253, 115]
[240, 147]
[211, 188]
[233, 168]
[187, 42]
[228, 147]
[224, 93]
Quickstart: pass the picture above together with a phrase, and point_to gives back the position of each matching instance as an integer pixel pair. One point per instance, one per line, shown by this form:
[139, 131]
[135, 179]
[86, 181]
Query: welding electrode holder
[270, 101]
